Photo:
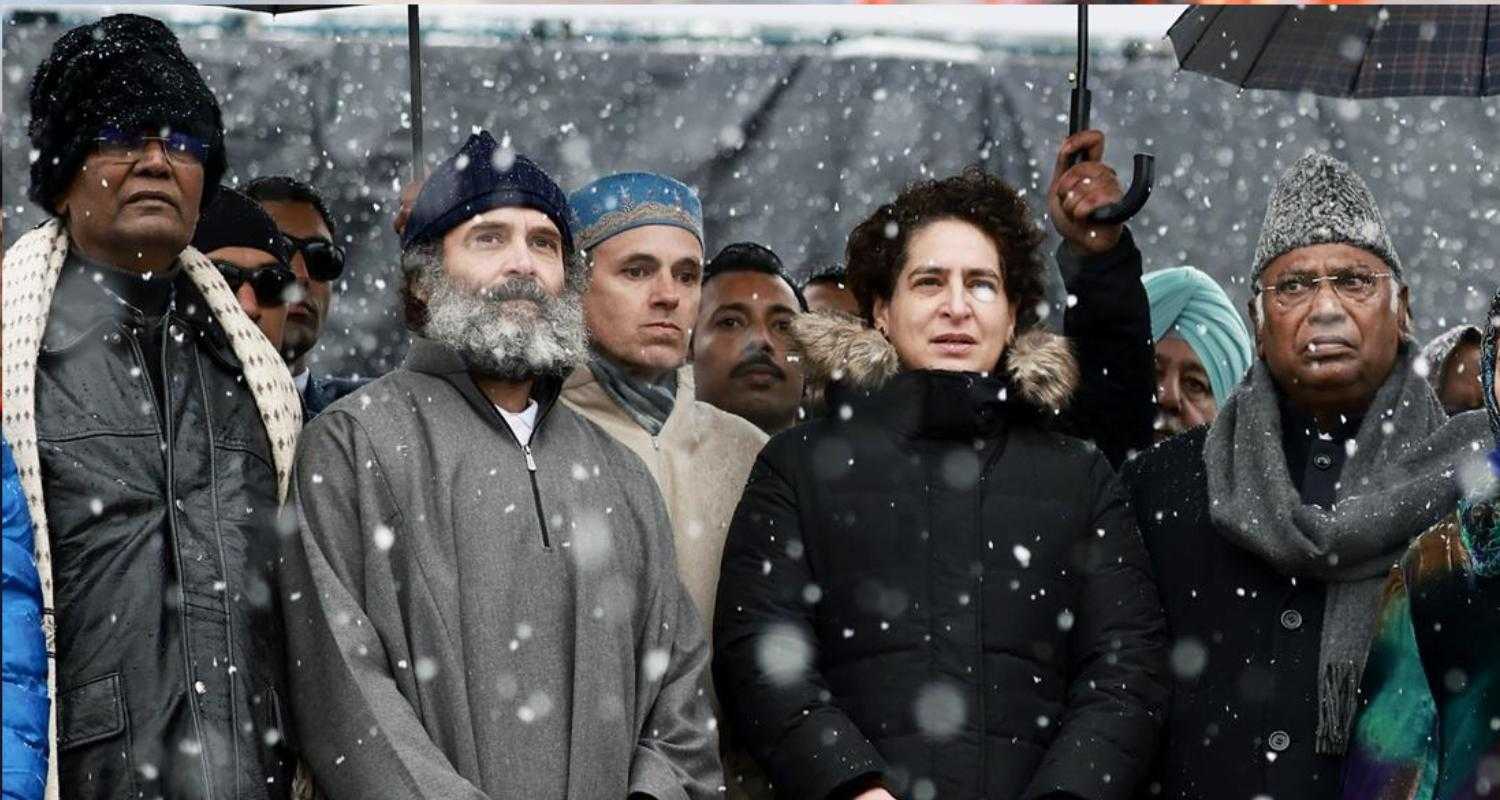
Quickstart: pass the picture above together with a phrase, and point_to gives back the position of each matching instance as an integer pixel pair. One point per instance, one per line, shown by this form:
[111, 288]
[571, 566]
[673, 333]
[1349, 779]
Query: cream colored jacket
[700, 461]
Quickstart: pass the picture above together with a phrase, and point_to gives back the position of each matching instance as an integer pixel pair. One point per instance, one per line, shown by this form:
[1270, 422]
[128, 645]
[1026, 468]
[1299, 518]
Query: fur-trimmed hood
[836, 348]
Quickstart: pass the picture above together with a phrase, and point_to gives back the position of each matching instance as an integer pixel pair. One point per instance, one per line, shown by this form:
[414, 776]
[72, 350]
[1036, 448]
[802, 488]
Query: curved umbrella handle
[1142, 178]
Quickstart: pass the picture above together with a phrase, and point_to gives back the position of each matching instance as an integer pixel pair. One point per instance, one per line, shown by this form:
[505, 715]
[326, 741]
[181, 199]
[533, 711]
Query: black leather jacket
[161, 500]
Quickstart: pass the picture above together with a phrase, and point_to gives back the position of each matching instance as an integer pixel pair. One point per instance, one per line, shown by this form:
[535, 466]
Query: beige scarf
[31, 269]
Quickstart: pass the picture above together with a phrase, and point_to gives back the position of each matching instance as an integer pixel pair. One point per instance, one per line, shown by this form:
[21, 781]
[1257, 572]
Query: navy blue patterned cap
[479, 177]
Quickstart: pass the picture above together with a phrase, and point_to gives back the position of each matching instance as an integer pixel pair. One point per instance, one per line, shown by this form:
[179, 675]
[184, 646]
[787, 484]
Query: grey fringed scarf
[1398, 481]
[648, 403]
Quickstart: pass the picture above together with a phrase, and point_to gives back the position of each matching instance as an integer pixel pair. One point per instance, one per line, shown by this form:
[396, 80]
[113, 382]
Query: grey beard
[498, 336]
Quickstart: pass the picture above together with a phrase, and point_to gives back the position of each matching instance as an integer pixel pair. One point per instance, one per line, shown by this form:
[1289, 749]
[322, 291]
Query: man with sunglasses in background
[317, 261]
[249, 251]
[153, 428]
[1271, 530]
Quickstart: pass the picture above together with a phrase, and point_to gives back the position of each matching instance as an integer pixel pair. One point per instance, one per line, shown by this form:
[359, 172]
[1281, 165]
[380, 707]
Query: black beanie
[124, 71]
[234, 220]
[479, 177]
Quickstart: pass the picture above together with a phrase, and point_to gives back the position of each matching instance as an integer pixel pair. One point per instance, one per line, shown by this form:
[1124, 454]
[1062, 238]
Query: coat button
[1322, 461]
[1280, 741]
[1291, 619]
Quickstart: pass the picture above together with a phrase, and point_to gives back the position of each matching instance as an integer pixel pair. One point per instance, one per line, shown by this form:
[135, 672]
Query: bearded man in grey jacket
[481, 595]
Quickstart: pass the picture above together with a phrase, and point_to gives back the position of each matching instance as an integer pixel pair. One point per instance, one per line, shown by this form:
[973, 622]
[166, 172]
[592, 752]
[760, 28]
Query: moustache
[516, 289]
[757, 361]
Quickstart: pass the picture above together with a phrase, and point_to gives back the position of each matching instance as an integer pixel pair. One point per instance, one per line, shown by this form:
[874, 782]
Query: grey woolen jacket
[461, 626]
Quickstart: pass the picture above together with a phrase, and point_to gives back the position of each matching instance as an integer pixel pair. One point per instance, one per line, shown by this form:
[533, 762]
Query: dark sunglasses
[113, 144]
[324, 259]
[270, 283]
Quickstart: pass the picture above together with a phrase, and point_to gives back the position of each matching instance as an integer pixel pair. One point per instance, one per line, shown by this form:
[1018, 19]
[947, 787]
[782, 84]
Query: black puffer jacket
[162, 509]
[931, 592]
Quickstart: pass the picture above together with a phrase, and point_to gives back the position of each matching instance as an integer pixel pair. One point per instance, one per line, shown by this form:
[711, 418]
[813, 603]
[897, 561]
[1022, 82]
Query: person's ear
[880, 315]
[1257, 324]
[1403, 311]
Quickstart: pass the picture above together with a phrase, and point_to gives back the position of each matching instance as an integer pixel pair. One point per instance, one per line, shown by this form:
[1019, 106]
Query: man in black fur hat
[153, 427]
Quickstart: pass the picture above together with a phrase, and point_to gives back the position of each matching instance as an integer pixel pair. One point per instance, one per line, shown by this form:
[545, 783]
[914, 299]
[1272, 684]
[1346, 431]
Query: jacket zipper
[984, 476]
[175, 544]
[536, 488]
[536, 494]
[213, 467]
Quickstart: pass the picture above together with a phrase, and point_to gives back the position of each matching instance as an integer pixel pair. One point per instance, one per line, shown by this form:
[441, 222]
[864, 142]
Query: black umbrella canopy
[1345, 51]
[274, 9]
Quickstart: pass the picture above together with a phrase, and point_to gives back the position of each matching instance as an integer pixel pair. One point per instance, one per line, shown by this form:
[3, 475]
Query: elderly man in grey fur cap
[1272, 530]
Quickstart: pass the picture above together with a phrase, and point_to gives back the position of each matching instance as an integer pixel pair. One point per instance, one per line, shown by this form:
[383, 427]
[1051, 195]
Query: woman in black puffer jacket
[928, 594]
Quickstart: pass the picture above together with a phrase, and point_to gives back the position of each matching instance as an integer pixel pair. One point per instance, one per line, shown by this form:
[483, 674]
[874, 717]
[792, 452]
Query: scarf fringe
[1337, 701]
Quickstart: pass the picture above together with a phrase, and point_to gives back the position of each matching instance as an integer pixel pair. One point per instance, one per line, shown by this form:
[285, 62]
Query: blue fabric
[479, 177]
[25, 700]
[618, 203]
[1187, 302]
[323, 390]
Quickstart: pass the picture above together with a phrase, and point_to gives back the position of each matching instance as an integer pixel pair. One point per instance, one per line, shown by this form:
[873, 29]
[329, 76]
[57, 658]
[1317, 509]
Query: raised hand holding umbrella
[1082, 186]
[1113, 213]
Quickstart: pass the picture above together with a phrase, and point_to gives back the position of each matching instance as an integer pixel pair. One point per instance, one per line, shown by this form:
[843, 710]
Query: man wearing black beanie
[243, 242]
[153, 427]
[483, 593]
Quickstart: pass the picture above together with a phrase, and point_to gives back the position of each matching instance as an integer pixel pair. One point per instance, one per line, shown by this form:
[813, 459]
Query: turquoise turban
[1187, 302]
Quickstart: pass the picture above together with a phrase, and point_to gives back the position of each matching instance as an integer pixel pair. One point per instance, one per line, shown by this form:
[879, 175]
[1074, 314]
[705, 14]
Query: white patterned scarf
[31, 268]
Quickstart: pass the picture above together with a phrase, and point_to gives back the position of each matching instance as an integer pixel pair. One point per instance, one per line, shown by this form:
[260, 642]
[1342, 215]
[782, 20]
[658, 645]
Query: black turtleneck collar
[932, 404]
[148, 294]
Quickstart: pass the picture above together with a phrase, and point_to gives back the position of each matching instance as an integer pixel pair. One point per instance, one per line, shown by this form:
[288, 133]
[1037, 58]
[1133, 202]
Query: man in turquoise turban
[1202, 347]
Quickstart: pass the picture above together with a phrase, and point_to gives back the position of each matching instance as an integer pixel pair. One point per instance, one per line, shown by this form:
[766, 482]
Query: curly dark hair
[876, 250]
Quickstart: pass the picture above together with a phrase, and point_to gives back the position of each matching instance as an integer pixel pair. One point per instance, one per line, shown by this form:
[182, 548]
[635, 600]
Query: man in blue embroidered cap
[643, 234]
[1202, 348]
[481, 596]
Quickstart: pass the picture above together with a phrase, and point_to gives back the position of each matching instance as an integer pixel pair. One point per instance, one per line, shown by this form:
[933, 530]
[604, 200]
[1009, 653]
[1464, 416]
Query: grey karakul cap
[1320, 200]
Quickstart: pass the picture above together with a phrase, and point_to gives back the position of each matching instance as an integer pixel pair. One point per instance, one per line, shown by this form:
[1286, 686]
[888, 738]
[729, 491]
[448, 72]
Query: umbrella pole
[1078, 112]
[1144, 174]
[1083, 46]
[414, 60]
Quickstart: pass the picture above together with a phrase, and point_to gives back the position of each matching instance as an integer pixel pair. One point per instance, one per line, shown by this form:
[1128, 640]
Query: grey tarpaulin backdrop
[791, 145]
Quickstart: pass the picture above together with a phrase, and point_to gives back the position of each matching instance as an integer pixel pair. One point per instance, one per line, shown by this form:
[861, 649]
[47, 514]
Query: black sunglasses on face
[270, 283]
[325, 260]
